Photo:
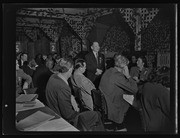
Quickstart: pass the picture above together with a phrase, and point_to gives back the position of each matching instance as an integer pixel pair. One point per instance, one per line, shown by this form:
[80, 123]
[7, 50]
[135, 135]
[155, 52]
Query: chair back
[99, 103]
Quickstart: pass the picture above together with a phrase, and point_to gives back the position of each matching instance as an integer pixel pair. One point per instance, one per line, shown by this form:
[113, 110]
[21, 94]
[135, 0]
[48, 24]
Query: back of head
[79, 63]
[120, 59]
[64, 65]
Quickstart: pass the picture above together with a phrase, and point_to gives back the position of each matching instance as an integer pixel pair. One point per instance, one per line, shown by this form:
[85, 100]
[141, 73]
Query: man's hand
[25, 86]
[126, 72]
[136, 79]
[98, 72]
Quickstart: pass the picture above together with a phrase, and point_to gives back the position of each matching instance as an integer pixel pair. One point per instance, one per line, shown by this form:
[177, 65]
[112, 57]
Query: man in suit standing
[95, 64]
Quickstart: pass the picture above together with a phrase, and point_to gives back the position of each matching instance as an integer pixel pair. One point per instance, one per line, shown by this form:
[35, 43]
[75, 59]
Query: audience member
[20, 75]
[133, 62]
[29, 67]
[95, 64]
[23, 58]
[155, 102]
[39, 59]
[140, 72]
[115, 82]
[32, 64]
[58, 58]
[81, 81]
[41, 77]
[44, 58]
[49, 56]
[54, 56]
[18, 55]
[60, 100]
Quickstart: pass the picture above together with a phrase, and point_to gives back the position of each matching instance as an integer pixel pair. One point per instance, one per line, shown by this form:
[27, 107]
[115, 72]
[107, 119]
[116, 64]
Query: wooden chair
[100, 105]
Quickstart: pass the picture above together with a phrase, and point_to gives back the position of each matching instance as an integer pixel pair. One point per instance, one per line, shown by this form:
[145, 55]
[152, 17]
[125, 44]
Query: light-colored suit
[87, 85]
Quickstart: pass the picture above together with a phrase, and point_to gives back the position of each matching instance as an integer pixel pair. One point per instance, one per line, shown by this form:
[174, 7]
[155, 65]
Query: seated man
[155, 102]
[41, 77]
[81, 81]
[115, 82]
[20, 85]
[60, 99]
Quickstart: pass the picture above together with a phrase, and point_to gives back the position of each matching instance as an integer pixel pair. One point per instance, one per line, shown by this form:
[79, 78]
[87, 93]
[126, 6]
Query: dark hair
[51, 61]
[23, 53]
[64, 65]
[152, 76]
[32, 63]
[144, 60]
[79, 63]
[18, 55]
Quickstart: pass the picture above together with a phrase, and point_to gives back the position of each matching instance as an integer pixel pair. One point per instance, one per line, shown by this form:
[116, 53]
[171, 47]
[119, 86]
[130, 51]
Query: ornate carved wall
[153, 34]
[116, 40]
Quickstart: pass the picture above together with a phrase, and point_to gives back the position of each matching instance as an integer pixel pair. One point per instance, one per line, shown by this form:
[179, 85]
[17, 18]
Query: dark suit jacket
[156, 107]
[41, 76]
[28, 70]
[20, 63]
[114, 84]
[92, 65]
[58, 96]
[40, 79]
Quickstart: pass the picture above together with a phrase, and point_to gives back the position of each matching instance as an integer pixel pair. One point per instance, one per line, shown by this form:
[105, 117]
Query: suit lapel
[94, 58]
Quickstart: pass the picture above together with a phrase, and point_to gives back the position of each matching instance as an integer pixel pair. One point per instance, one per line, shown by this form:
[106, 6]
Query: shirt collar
[62, 77]
[95, 53]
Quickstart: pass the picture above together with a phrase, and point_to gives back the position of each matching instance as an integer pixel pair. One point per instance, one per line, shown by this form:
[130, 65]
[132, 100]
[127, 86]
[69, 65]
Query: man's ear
[92, 47]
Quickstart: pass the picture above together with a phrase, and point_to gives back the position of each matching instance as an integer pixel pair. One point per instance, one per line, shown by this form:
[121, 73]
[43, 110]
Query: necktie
[97, 57]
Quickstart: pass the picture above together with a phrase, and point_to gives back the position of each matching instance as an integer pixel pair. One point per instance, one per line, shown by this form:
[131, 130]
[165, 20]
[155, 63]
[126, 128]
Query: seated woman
[140, 72]
[81, 81]
[19, 76]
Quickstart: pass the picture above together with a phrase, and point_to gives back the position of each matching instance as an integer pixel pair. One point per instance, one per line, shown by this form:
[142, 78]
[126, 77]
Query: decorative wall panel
[82, 20]
[157, 36]
[138, 18]
[116, 40]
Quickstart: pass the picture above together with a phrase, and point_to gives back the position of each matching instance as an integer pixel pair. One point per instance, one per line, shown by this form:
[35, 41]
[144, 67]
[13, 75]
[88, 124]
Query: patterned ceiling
[82, 20]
